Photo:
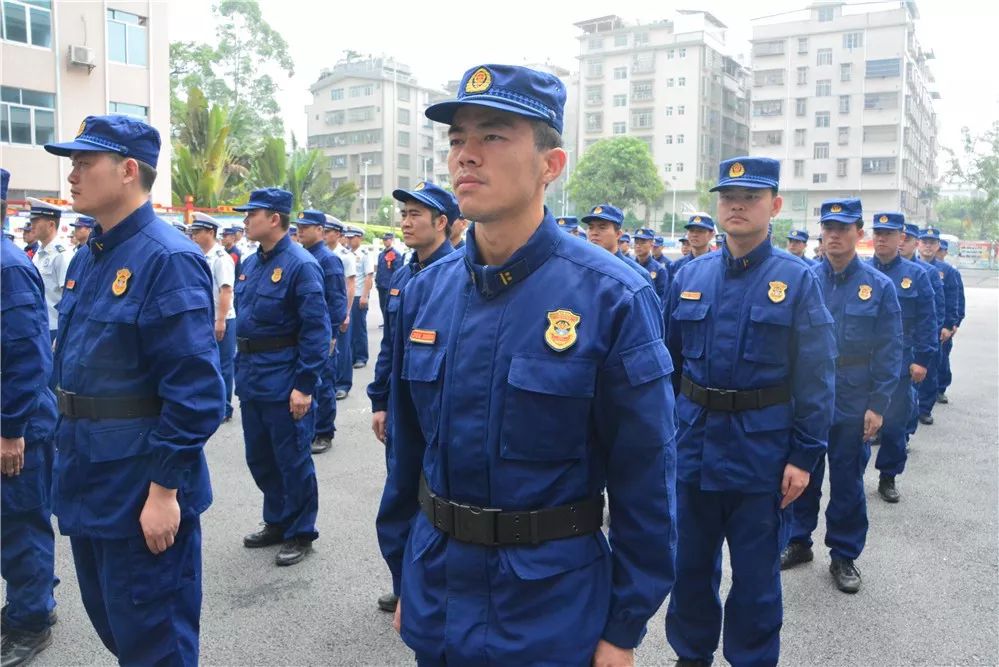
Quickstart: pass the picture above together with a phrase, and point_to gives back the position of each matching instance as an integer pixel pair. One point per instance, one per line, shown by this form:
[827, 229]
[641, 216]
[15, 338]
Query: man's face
[420, 227]
[239, 235]
[205, 238]
[96, 181]
[332, 237]
[355, 242]
[941, 254]
[293, 235]
[685, 248]
[43, 229]
[796, 248]
[260, 224]
[387, 243]
[604, 234]
[657, 251]
[310, 235]
[746, 212]
[28, 235]
[928, 248]
[839, 239]
[81, 235]
[699, 238]
[494, 164]
[643, 249]
[624, 247]
[458, 228]
[908, 245]
[886, 242]
[228, 241]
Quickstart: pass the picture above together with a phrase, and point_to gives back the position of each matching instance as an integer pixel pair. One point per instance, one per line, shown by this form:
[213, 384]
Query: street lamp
[672, 227]
[426, 158]
[565, 195]
[365, 207]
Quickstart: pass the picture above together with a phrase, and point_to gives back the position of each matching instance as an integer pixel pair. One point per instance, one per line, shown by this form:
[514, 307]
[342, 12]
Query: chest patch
[906, 283]
[276, 276]
[864, 292]
[777, 291]
[120, 284]
[561, 332]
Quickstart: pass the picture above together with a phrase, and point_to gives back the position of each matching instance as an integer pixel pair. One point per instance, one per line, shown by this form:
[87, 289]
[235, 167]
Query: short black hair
[147, 173]
[546, 137]
[285, 218]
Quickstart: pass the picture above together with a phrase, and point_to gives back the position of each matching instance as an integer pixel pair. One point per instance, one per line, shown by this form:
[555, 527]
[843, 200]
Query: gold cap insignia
[883, 218]
[597, 210]
[83, 128]
[120, 283]
[778, 291]
[835, 208]
[561, 333]
[865, 292]
[697, 218]
[906, 283]
[479, 82]
[276, 276]
[301, 214]
[561, 221]
[420, 186]
[736, 170]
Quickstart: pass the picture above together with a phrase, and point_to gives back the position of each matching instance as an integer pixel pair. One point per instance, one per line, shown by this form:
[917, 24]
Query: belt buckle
[725, 399]
[475, 524]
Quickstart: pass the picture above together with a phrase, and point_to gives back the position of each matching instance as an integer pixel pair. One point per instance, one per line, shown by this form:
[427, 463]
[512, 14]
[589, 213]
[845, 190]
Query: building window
[134, 110]
[669, 139]
[338, 162]
[844, 136]
[826, 14]
[360, 114]
[403, 185]
[668, 166]
[799, 137]
[841, 166]
[643, 62]
[880, 133]
[768, 138]
[641, 119]
[403, 116]
[853, 40]
[594, 122]
[771, 48]
[824, 57]
[403, 138]
[879, 165]
[820, 178]
[802, 45]
[641, 90]
[403, 93]
[821, 119]
[594, 96]
[669, 82]
[362, 91]
[844, 104]
[403, 160]
[680, 110]
[681, 82]
[126, 38]
[27, 22]
[594, 69]
[884, 69]
[669, 111]
[679, 166]
[620, 72]
[595, 43]
[821, 150]
[641, 38]
[823, 88]
[880, 101]
[802, 76]
[679, 139]
[620, 100]
[769, 77]
[801, 106]
[336, 93]
[799, 168]
[670, 54]
[620, 128]
[845, 71]
[621, 40]
[26, 116]
[765, 108]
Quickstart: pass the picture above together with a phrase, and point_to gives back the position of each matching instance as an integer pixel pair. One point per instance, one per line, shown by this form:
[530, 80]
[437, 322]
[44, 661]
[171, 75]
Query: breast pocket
[859, 320]
[768, 334]
[113, 336]
[546, 410]
[269, 306]
[423, 367]
[691, 317]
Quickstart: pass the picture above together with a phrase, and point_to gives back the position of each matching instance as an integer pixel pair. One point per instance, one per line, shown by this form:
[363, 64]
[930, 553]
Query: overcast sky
[440, 40]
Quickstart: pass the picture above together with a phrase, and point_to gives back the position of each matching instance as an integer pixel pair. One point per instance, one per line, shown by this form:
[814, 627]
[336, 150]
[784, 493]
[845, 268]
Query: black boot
[322, 444]
[20, 646]
[267, 536]
[293, 551]
[53, 619]
[887, 490]
[926, 420]
[388, 602]
[942, 398]
[795, 553]
[845, 574]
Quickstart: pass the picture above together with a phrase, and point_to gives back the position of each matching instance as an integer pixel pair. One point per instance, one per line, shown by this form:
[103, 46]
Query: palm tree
[203, 164]
[301, 172]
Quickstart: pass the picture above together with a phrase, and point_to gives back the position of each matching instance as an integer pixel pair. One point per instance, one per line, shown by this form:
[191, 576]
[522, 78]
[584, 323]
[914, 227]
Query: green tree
[705, 198]
[978, 166]
[301, 172]
[385, 213]
[617, 171]
[958, 216]
[779, 231]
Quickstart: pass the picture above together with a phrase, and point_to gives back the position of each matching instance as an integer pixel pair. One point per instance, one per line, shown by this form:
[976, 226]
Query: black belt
[492, 527]
[75, 406]
[734, 400]
[251, 345]
[852, 360]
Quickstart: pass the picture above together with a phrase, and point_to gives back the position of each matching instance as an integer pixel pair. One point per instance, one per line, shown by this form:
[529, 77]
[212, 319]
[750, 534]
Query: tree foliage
[301, 172]
[204, 165]
[978, 167]
[617, 171]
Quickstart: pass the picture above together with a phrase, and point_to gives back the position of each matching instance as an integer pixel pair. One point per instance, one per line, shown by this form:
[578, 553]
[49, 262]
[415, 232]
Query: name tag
[394, 291]
[423, 336]
[690, 296]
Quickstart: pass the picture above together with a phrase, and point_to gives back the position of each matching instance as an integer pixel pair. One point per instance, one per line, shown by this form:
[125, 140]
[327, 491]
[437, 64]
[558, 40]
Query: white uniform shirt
[348, 259]
[223, 273]
[365, 265]
[246, 247]
[52, 261]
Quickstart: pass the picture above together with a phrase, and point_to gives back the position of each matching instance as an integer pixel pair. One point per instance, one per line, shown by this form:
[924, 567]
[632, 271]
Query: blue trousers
[326, 397]
[383, 297]
[280, 460]
[944, 376]
[927, 389]
[359, 331]
[894, 431]
[227, 358]
[846, 513]
[345, 359]
[146, 608]
[756, 531]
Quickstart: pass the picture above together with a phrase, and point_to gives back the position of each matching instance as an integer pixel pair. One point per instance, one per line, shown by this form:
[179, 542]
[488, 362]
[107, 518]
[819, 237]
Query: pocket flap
[688, 311]
[771, 315]
[553, 558]
[16, 300]
[647, 362]
[572, 378]
[121, 312]
[771, 418]
[862, 309]
[183, 300]
[422, 364]
[119, 441]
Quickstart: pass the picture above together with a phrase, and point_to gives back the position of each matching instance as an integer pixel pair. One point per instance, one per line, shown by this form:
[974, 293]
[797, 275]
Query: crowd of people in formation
[527, 370]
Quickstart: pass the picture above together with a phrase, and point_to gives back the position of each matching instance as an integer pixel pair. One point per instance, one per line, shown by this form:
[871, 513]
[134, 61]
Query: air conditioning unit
[82, 56]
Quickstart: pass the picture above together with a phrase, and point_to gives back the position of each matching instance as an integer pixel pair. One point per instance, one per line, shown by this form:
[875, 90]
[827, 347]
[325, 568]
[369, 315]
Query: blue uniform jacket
[485, 406]
[136, 319]
[388, 266]
[280, 293]
[868, 321]
[920, 331]
[659, 275]
[960, 297]
[766, 323]
[638, 268]
[939, 301]
[334, 283]
[678, 264]
[378, 390]
[952, 299]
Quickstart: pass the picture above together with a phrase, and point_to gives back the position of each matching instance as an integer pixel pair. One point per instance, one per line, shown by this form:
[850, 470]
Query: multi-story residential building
[63, 61]
[367, 118]
[670, 83]
[842, 95]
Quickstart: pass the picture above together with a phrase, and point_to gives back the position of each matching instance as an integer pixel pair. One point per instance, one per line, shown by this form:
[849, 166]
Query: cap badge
[561, 221]
[561, 333]
[420, 186]
[778, 291]
[835, 208]
[697, 218]
[864, 292]
[736, 170]
[883, 218]
[120, 283]
[598, 210]
[83, 128]
[479, 82]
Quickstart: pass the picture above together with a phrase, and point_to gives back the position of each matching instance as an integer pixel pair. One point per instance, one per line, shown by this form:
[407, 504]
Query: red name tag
[394, 291]
[423, 336]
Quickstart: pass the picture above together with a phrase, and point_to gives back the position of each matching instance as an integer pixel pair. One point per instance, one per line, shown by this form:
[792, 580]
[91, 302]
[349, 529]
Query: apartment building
[843, 96]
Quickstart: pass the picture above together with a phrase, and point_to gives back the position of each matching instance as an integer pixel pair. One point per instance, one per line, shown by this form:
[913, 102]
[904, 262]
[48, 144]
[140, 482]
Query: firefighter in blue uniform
[755, 345]
[427, 213]
[944, 376]
[797, 243]
[229, 243]
[700, 231]
[389, 261]
[920, 340]
[603, 228]
[929, 243]
[283, 337]
[27, 544]
[868, 322]
[569, 224]
[140, 392]
[526, 377]
[311, 231]
[644, 238]
[658, 244]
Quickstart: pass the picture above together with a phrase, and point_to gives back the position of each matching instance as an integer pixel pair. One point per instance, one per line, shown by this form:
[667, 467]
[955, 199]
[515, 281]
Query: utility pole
[365, 204]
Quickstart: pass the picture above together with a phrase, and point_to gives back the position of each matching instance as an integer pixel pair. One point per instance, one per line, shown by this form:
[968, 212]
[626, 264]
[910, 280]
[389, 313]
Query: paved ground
[930, 592]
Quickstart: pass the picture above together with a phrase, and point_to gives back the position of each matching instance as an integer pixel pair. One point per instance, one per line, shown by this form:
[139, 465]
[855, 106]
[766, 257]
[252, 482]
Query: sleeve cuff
[878, 404]
[922, 359]
[805, 459]
[624, 633]
[379, 405]
[168, 477]
[306, 383]
[12, 428]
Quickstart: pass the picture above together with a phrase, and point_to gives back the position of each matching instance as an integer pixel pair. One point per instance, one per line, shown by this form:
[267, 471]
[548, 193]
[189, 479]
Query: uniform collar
[747, 262]
[647, 263]
[212, 250]
[492, 281]
[101, 242]
[890, 265]
[44, 249]
[443, 250]
[316, 248]
[845, 274]
[278, 248]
